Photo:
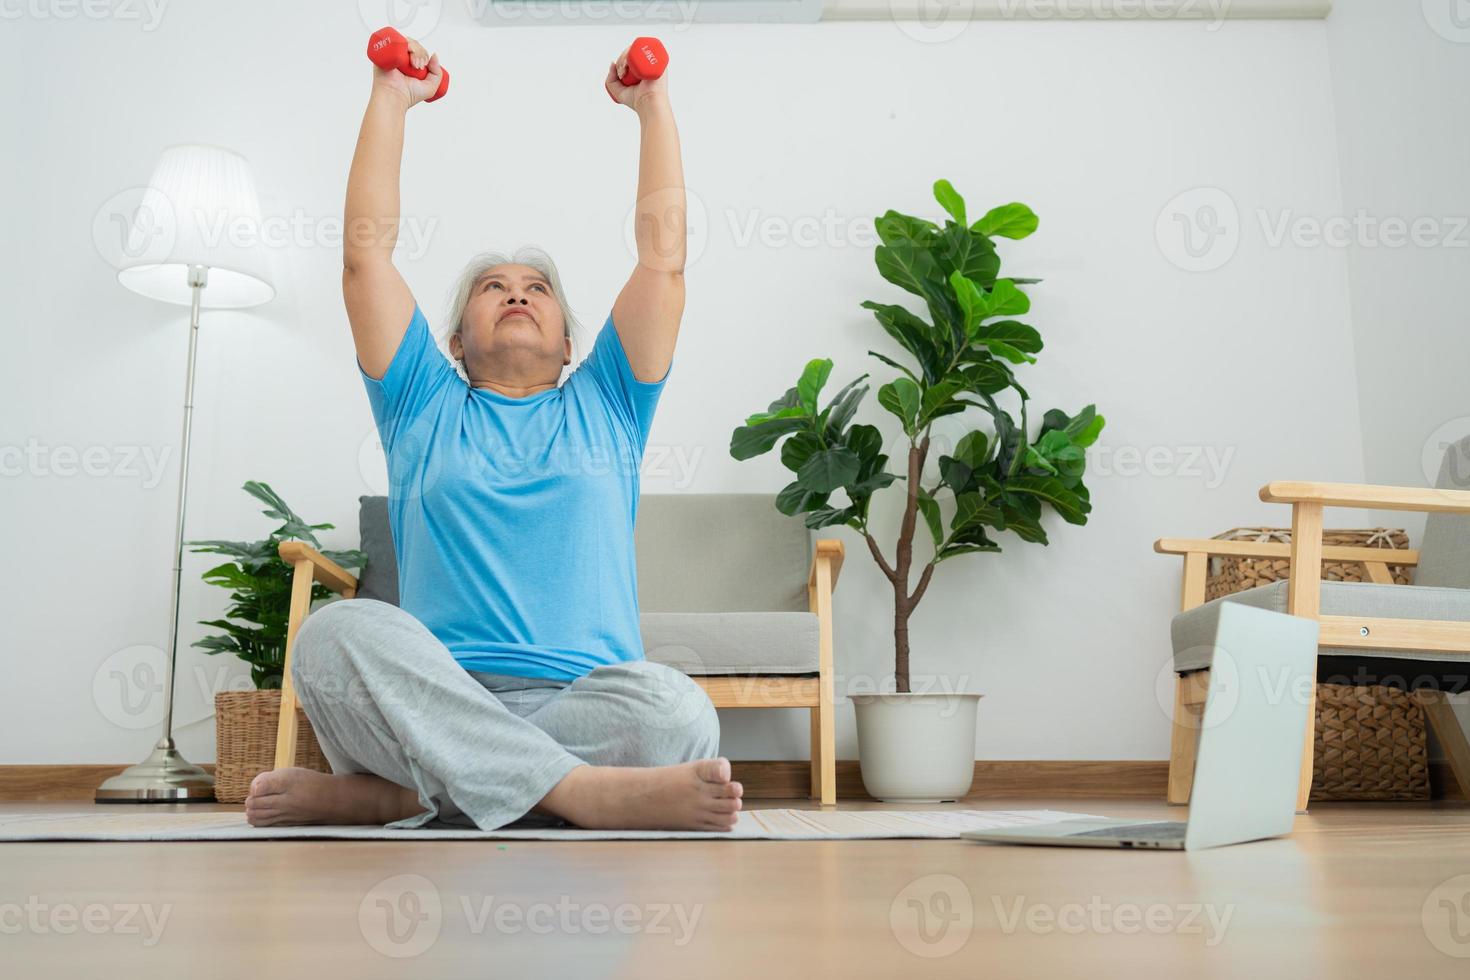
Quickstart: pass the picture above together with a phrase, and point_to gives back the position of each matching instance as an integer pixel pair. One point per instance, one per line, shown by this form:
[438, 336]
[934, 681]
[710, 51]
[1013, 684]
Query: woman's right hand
[415, 90]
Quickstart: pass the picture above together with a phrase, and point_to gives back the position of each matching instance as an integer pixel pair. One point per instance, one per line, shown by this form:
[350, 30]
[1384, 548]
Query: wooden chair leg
[1304, 598]
[1190, 691]
[824, 752]
[1451, 735]
[301, 582]
[1309, 747]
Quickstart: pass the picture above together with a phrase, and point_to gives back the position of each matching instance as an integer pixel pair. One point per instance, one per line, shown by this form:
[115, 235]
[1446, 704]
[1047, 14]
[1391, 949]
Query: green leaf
[988, 376]
[971, 255]
[794, 499]
[901, 229]
[827, 516]
[1085, 428]
[936, 398]
[798, 449]
[785, 407]
[913, 268]
[1035, 460]
[347, 559]
[842, 408]
[950, 200]
[972, 509]
[894, 364]
[812, 379]
[1013, 221]
[229, 576]
[912, 334]
[1071, 505]
[865, 440]
[750, 441]
[1014, 333]
[955, 550]
[1007, 300]
[954, 474]
[901, 397]
[929, 508]
[1008, 352]
[829, 469]
[973, 300]
[1024, 526]
[973, 449]
[870, 485]
[786, 413]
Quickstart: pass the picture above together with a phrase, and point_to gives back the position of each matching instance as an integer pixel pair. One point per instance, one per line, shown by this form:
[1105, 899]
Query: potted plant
[997, 479]
[255, 631]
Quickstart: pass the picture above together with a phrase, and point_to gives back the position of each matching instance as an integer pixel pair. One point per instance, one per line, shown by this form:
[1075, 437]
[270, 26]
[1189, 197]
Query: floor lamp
[194, 241]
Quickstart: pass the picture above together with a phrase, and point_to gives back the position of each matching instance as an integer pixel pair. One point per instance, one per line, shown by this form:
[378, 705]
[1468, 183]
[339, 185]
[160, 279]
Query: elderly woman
[511, 682]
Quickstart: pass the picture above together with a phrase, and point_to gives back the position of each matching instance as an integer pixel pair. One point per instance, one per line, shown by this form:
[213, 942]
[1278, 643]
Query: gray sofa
[730, 591]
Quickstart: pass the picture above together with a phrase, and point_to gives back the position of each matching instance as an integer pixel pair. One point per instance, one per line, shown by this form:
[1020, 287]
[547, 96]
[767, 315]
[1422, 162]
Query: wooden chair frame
[1304, 591]
[726, 691]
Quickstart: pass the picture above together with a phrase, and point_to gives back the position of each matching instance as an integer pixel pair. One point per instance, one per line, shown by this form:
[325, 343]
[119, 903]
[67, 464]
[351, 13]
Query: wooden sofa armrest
[1280, 549]
[1424, 499]
[304, 559]
[829, 550]
[323, 569]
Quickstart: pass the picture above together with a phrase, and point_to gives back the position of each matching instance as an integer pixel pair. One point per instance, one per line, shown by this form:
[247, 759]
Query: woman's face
[513, 327]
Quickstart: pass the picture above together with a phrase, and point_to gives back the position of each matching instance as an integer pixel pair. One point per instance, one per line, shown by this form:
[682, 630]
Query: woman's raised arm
[647, 311]
[379, 304]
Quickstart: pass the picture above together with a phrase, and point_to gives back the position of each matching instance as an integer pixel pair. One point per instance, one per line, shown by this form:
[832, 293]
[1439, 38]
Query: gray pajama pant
[385, 696]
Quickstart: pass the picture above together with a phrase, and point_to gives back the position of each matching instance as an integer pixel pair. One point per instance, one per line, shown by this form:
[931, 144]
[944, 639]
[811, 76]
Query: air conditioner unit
[531, 13]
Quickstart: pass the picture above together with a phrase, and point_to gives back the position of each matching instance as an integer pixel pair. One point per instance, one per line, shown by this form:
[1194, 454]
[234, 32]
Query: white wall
[1099, 126]
[1401, 86]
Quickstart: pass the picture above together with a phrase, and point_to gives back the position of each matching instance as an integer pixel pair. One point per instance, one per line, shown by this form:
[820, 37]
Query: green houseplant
[996, 479]
[260, 589]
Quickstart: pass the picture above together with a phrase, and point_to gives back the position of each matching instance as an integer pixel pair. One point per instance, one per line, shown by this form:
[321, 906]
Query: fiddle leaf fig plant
[964, 356]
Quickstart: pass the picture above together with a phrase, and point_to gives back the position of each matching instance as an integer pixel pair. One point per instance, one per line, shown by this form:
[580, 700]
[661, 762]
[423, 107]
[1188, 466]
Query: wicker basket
[245, 741]
[1369, 745]
[1369, 741]
[1229, 574]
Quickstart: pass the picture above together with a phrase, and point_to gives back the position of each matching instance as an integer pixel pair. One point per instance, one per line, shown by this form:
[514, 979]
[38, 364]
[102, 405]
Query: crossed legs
[412, 737]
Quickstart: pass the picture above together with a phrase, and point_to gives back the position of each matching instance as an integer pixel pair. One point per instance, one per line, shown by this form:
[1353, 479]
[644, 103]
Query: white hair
[527, 255]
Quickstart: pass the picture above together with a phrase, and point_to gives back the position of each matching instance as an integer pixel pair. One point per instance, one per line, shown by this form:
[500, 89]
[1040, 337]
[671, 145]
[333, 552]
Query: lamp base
[163, 777]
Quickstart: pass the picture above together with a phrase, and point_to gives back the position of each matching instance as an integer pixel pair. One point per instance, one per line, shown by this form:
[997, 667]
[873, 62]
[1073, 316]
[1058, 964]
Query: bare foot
[696, 795]
[288, 797]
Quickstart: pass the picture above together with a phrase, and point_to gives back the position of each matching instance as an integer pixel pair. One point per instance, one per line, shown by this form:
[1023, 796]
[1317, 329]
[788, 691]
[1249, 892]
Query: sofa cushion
[702, 644]
[379, 576]
[1193, 629]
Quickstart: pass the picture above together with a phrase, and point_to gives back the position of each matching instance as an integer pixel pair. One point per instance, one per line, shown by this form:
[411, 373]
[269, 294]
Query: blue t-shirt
[513, 518]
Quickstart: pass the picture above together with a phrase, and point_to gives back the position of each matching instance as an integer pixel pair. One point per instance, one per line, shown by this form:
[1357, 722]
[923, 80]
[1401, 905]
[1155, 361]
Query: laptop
[1250, 746]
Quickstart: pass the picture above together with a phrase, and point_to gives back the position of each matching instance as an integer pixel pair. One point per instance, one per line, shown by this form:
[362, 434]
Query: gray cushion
[732, 642]
[1444, 556]
[379, 576]
[720, 552]
[1194, 629]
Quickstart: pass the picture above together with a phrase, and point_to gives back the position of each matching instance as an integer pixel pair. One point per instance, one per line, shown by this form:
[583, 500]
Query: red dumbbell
[647, 60]
[388, 49]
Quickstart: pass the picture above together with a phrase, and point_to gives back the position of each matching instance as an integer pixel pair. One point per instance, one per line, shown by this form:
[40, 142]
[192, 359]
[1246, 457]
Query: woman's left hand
[633, 96]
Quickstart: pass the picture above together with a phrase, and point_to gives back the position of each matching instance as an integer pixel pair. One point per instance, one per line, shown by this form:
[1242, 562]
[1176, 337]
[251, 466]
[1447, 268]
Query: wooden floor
[1378, 891]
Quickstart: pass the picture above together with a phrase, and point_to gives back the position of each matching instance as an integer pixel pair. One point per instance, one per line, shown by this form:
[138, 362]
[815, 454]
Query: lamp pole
[166, 776]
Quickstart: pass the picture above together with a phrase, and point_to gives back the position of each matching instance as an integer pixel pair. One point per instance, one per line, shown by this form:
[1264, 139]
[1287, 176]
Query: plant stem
[903, 603]
[888, 572]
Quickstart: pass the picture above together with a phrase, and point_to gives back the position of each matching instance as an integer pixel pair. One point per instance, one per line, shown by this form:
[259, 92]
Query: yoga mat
[141, 823]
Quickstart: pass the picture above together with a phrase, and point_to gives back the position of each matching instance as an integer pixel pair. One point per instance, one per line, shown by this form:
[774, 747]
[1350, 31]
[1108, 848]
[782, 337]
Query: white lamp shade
[200, 208]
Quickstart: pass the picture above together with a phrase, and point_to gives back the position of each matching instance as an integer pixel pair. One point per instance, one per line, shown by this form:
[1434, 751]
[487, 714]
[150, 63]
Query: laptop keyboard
[1142, 831]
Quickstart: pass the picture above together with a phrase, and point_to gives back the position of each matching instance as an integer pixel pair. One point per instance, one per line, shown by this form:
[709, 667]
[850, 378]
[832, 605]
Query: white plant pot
[916, 748]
